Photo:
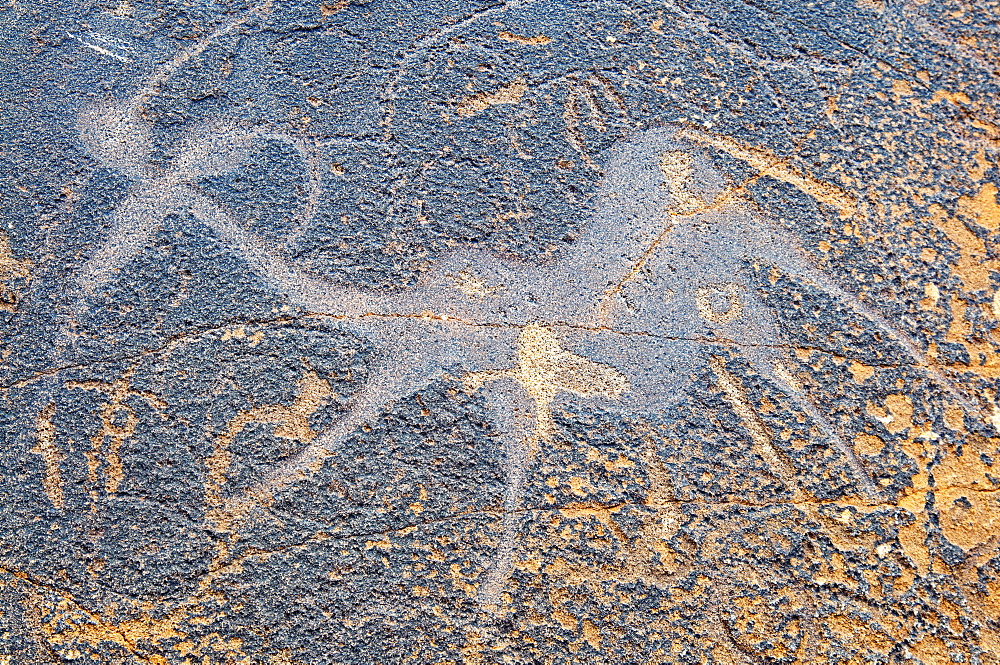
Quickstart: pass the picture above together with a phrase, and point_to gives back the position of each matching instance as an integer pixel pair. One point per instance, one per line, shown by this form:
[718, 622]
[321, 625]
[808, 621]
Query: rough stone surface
[500, 332]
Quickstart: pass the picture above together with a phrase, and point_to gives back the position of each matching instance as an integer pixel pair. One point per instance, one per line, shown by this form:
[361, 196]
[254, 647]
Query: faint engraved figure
[625, 316]
[627, 313]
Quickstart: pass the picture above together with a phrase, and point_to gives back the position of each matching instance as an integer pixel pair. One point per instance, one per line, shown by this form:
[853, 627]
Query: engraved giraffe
[657, 280]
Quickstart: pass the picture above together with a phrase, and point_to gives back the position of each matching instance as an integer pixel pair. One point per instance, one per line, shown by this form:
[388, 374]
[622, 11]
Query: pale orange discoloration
[51, 456]
[291, 422]
[982, 208]
[10, 269]
[118, 424]
[974, 266]
[984, 360]
[860, 372]
[537, 40]
[545, 369]
[769, 164]
[479, 102]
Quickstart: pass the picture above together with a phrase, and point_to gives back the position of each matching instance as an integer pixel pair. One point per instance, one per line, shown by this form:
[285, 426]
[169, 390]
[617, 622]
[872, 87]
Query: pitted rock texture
[500, 332]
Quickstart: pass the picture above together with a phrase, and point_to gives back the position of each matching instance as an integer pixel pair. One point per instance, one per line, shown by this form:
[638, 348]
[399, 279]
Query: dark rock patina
[500, 332]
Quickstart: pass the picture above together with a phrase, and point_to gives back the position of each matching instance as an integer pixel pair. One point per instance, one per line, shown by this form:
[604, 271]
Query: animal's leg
[755, 330]
[794, 389]
[401, 373]
[904, 340]
[793, 261]
[513, 416]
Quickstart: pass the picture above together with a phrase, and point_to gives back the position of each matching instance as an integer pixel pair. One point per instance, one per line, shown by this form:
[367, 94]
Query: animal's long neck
[306, 291]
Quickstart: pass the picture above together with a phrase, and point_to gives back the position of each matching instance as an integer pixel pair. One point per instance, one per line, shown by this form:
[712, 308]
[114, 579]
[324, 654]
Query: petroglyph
[769, 164]
[589, 100]
[118, 424]
[537, 40]
[659, 289]
[666, 223]
[508, 94]
[544, 370]
[11, 269]
[52, 457]
[292, 422]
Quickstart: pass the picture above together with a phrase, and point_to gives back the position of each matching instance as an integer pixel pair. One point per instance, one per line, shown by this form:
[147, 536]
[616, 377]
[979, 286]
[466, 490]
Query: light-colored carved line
[51, 456]
[291, 422]
[770, 164]
[794, 386]
[390, 90]
[152, 87]
[117, 393]
[758, 431]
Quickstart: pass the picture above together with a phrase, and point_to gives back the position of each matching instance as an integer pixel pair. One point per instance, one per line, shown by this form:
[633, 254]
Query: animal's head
[117, 137]
[657, 175]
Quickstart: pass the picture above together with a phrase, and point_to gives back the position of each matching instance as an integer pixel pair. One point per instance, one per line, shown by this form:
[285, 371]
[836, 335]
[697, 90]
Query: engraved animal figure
[628, 313]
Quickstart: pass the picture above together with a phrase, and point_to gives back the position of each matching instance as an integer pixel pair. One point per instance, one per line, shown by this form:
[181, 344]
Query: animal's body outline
[673, 204]
[419, 329]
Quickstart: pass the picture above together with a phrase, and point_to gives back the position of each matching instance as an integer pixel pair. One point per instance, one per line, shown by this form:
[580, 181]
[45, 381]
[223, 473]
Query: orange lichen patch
[224, 650]
[860, 372]
[931, 650]
[10, 269]
[851, 633]
[866, 444]
[459, 581]
[118, 423]
[901, 88]
[558, 598]
[982, 208]
[292, 422]
[956, 98]
[968, 503]
[896, 416]
[974, 266]
[834, 572]
[508, 94]
[984, 360]
[537, 40]
[472, 652]
[982, 592]
[954, 419]
[603, 515]
[52, 457]
[769, 164]
[932, 294]
[591, 634]
[69, 628]
[638, 556]
[982, 165]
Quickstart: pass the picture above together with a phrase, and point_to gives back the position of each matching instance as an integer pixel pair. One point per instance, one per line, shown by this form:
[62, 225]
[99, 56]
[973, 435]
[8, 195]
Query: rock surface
[500, 332]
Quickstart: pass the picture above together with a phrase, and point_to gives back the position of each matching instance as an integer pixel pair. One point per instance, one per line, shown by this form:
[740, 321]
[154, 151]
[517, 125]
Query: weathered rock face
[523, 332]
